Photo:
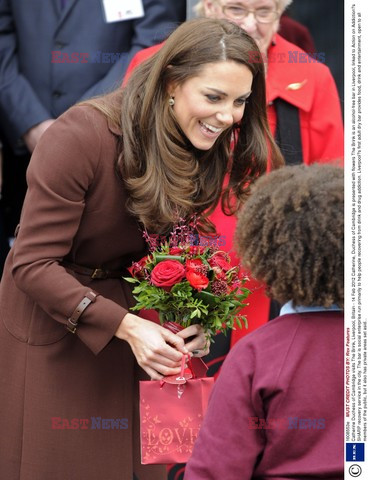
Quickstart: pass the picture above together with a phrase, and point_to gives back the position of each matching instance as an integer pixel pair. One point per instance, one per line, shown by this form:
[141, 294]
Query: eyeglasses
[261, 15]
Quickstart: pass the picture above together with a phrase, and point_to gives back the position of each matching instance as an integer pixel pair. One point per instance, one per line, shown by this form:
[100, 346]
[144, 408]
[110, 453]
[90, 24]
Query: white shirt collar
[289, 308]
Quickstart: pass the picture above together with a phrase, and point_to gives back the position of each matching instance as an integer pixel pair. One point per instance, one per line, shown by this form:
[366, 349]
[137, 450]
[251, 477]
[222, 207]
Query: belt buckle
[99, 273]
[71, 326]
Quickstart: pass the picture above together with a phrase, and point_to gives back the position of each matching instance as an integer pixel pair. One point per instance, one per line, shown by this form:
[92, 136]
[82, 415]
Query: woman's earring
[171, 101]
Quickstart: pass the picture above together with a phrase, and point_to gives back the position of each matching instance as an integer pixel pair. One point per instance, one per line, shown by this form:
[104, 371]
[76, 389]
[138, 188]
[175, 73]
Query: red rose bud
[167, 273]
[175, 251]
[197, 249]
[219, 273]
[137, 268]
[220, 260]
[223, 255]
[197, 280]
[197, 265]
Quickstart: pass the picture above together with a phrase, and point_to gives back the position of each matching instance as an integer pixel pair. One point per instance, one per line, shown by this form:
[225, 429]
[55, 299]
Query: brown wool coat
[74, 210]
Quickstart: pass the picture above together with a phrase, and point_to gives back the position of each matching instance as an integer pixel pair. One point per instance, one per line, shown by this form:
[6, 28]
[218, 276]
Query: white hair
[199, 7]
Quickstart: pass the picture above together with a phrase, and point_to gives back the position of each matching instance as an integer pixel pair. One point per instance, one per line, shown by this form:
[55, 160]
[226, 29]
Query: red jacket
[311, 88]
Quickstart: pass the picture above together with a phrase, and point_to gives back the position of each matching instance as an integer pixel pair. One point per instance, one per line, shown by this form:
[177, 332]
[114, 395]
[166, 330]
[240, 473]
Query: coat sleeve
[20, 107]
[160, 18]
[227, 447]
[326, 123]
[60, 174]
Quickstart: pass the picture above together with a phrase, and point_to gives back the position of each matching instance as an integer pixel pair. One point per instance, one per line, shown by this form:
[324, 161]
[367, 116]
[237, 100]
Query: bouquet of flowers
[188, 280]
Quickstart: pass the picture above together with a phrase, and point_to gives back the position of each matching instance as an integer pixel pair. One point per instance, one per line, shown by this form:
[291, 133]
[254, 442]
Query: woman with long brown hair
[107, 169]
[303, 111]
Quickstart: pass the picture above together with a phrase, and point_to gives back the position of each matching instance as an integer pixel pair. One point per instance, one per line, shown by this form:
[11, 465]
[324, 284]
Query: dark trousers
[12, 198]
[14, 187]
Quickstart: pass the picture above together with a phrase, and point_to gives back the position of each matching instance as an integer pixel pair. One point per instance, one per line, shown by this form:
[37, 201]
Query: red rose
[197, 279]
[137, 268]
[167, 273]
[196, 274]
[175, 251]
[220, 260]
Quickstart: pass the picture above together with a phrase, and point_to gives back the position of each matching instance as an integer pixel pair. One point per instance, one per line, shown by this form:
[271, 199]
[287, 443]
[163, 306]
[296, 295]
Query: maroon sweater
[287, 379]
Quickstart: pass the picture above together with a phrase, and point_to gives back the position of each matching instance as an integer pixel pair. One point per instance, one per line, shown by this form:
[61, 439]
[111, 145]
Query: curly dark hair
[290, 234]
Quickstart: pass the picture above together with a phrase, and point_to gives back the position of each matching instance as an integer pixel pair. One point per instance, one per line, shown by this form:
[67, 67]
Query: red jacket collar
[289, 80]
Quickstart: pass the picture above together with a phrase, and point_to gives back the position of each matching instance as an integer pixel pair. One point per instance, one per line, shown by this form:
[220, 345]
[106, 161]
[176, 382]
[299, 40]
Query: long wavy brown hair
[165, 176]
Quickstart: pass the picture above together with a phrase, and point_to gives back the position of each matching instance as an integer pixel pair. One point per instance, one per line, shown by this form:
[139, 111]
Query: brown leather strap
[90, 297]
[95, 273]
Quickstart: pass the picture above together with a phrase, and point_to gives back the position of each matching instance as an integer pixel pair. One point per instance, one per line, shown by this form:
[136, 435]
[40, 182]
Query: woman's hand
[198, 346]
[157, 350]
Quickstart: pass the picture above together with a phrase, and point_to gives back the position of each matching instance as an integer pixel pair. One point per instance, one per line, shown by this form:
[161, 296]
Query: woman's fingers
[199, 344]
[159, 366]
[173, 340]
[190, 331]
[163, 369]
[157, 350]
[159, 359]
[200, 353]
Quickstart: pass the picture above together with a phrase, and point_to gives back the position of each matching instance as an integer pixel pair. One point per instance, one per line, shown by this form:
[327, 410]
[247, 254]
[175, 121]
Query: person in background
[325, 21]
[276, 410]
[54, 53]
[297, 33]
[292, 79]
[304, 115]
[139, 159]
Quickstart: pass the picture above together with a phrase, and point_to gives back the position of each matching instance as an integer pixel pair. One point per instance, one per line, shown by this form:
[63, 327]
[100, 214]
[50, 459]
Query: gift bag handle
[183, 363]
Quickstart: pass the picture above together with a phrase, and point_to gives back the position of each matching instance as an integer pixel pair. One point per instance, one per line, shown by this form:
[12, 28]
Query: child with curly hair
[277, 407]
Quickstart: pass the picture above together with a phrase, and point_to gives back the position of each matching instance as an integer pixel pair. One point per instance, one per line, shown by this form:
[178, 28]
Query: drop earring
[171, 101]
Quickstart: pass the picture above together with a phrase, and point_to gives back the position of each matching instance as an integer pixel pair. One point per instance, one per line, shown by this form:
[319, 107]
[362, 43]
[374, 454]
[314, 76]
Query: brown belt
[95, 273]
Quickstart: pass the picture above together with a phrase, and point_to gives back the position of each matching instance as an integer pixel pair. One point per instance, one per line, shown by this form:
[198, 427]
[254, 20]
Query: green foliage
[186, 306]
[216, 307]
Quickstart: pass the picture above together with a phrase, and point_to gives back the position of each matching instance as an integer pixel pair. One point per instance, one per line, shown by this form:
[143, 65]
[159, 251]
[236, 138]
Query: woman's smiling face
[211, 102]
